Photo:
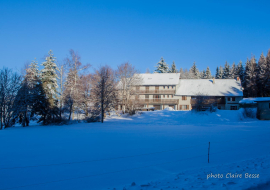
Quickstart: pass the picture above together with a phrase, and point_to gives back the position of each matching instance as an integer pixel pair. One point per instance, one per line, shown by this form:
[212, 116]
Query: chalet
[224, 93]
[161, 90]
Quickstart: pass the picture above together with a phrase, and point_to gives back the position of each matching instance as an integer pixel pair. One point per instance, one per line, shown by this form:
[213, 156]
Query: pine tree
[251, 78]
[261, 75]
[220, 76]
[26, 98]
[173, 68]
[233, 71]
[217, 73]
[203, 75]
[23, 102]
[240, 72]
[267, 75]
[194, 72]
[48, 79]
[226, 72]
[162, 66]
[41, 106]
[208, 73]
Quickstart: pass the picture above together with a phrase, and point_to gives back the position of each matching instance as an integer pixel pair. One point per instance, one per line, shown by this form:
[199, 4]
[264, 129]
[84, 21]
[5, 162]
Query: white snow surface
[155, 150]
[253, 100]
[221, 87]
[160, 78]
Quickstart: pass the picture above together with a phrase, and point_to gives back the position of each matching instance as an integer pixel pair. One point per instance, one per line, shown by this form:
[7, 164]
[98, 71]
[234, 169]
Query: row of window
[168, 87]
[156, 87]
[184, 107]
[158, 96]
[231, 99]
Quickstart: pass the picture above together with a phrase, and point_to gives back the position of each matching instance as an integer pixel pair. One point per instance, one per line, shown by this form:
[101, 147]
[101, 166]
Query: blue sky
[141, 32]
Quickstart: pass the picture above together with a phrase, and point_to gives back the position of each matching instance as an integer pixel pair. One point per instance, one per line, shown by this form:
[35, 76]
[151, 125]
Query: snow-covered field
[155, 150]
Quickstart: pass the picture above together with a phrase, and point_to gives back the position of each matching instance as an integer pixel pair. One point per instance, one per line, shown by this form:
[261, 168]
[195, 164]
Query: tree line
[62, 92]
[254, 76]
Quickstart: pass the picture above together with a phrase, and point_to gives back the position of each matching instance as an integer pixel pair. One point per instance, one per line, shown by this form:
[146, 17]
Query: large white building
[161, 90]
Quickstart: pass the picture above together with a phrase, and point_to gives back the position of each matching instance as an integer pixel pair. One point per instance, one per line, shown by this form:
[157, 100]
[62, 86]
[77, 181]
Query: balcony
[155, 91]
[157, 101]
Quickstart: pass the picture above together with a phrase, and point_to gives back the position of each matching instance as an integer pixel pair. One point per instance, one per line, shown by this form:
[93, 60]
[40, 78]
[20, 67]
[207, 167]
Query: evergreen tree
[25, 97]
[240, 72]
[194, 72]
[173, 68]
[217, 73]
[203, 75]
[220, 76]
[162, 66]
[23, 103]
[41, 105]
[267, 75]
[251, 78]
[208, 73]
[261, 75]
[233, 71]
[48, 79]
[226, 72]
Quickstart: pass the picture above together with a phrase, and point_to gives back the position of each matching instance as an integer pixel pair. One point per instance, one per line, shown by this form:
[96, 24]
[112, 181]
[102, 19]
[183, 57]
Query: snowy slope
[166, 149]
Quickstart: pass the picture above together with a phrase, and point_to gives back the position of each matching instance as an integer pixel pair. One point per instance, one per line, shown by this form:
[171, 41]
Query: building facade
[161, 90]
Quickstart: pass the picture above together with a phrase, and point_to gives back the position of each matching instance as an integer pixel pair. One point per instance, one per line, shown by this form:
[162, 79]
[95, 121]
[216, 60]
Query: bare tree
[72, 93]
[204, 102]
[9, 85]
[129, 82]
[103, 91]
[86, 85]
[61, 79]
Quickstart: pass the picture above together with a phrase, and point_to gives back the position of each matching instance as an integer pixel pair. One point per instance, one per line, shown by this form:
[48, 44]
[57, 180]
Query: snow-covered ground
[155, 150]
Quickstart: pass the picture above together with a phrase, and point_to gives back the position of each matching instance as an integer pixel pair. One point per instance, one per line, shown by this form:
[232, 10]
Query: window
[163, 96]
[228, 98]
[172, 96]
[184, 97]
[168, 96]
[168, 87]
[172, 87]
[163, 87]
[233, 107]
[233, 99]
[184, 107]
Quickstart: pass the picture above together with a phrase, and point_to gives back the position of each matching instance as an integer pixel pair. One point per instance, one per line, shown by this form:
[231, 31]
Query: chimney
[213, 80]
[238, 79]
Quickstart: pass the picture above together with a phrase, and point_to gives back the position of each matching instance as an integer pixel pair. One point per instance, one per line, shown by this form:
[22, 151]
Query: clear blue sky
[114, 32]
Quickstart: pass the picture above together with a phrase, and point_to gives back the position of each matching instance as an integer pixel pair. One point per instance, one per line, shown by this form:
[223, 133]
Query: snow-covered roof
[253, 100]
[220, 87]
[160, 78]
